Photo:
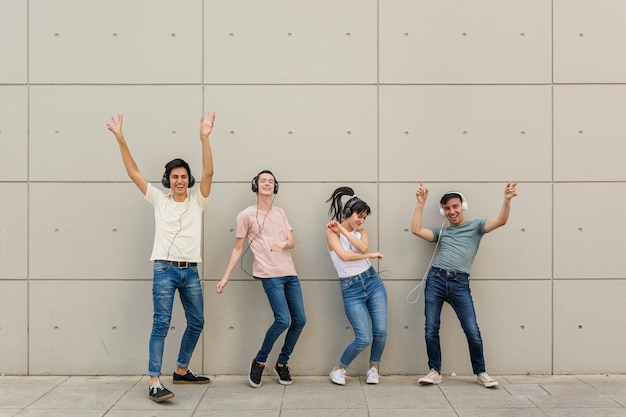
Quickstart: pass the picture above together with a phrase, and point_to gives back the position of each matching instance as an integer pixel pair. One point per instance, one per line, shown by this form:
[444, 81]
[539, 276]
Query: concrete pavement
[316, 396]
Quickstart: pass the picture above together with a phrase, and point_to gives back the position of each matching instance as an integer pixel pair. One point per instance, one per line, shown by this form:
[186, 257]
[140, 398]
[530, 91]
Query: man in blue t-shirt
[448, 277]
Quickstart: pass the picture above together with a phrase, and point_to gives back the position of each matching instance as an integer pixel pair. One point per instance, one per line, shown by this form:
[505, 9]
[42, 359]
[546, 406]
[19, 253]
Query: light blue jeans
[168, 279]
[285, 297]
[365, 299]
[454, 288]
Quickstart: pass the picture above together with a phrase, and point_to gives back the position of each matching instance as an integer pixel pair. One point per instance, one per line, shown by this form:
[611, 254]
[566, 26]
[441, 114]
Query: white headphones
[453, 193]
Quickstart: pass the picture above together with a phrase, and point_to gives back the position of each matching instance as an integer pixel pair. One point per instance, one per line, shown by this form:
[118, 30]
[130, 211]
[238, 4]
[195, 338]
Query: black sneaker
[189, 378]
[284, 376]
[256, 371]
[159, 393]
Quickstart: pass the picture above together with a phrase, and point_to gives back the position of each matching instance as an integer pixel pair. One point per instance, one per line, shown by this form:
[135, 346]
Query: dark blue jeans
[365, 299]
[168, 279]
[453, 288]
[285, 297]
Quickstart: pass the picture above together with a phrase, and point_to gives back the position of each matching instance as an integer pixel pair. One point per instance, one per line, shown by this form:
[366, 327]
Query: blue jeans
[452, 287]
[285, 297]
[168, 279]
[365, 298]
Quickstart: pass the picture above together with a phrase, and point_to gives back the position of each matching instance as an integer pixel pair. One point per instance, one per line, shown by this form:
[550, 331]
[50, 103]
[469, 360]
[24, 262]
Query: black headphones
[452, 194]
[349, 205]
[255, 182]
[176, 163]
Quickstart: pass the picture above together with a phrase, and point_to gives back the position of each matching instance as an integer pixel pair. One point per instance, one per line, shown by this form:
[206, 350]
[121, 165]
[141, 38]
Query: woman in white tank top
[362, 289]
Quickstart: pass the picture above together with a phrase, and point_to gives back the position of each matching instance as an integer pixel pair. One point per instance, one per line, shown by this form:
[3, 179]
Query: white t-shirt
[177, 226]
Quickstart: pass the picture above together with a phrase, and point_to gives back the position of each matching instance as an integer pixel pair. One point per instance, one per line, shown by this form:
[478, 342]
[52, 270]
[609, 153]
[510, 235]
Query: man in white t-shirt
[270, 237]
[176, 253]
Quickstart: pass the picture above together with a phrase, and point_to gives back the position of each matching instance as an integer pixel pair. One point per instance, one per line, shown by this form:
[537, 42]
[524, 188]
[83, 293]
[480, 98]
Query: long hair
[338, 211]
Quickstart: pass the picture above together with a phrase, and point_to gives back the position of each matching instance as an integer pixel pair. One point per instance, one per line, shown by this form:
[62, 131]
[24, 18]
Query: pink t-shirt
[262, 230]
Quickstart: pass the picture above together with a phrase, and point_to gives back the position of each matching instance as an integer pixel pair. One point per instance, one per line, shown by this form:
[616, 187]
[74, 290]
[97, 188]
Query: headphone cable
[425, 277]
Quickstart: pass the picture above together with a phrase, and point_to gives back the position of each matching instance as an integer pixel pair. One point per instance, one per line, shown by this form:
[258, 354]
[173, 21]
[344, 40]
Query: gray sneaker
[433, 377]
[485, 380]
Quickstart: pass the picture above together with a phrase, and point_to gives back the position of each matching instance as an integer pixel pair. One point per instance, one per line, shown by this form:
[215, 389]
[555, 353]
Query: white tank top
[347, 269]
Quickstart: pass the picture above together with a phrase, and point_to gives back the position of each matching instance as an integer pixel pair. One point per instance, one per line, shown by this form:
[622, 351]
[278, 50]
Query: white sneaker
[372, 376]
[433, 377]
[338, 376]
[486, 380]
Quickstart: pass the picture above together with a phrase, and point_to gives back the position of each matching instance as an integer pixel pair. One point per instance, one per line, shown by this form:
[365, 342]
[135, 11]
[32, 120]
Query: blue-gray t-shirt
[458, 245]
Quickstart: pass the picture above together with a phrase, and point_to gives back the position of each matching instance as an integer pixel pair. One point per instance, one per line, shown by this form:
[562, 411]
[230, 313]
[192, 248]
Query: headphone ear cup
[275, 187]
[255, 186]
[443, 213]
[464, 205]
[165, 180]
[192, 180]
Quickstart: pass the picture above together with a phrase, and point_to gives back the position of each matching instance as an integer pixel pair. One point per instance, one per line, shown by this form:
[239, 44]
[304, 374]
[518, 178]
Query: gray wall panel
[13, 327]
[71, 142]
[468, 133]
[457, 42]
[13, 133]
[139, 42]
[13, 42]
[588, 128]
[589, 332]
[584, 31]
[13, 231]
[295, 130]
[93, 231]
[96, 328]
[297, 42]
[584, 246]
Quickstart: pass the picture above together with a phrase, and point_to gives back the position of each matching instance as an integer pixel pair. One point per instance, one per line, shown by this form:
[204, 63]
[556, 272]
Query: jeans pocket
[160, 267]
[345, 283]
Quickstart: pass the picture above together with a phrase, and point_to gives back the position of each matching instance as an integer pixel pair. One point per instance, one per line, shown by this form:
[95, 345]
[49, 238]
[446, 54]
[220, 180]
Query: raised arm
[206, 127]
[416, 223]
[129, 163]
[503, 216]
[235, 254]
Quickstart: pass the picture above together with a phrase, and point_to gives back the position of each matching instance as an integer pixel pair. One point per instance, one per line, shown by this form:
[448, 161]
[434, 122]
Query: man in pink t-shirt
[270, 237]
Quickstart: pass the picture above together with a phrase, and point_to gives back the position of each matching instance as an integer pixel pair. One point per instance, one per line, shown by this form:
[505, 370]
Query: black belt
[450, 273]
[178, 264]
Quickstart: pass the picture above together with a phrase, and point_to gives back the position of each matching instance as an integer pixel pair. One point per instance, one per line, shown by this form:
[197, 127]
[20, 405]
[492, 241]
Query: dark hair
[339, 212]
[448, 196]
[255, 181]
[176, 163]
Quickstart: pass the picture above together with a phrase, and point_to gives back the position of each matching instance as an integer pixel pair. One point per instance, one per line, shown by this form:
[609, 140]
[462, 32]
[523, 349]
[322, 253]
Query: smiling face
[179, 182]
[453, 210]
[266, 183]
[355, 221]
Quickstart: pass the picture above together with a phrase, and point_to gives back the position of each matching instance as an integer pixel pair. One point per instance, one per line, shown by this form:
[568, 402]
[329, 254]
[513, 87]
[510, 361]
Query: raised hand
[116, 126]
[422, 193]
[206, 124]
[509, 191]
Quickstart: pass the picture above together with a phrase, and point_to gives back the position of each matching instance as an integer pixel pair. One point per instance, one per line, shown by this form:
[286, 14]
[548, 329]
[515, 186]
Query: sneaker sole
[429, 382]
[281, 381]
[163, 398]
[489, 384]
[191, 382]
